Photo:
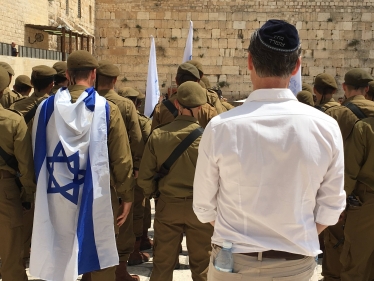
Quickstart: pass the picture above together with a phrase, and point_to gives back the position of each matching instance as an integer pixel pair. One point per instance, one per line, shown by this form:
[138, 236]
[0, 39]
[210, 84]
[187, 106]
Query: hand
[136, 174]
[125, 212]
[213, 223]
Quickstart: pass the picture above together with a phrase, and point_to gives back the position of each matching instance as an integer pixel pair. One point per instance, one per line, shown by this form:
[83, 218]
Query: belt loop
[259, 256]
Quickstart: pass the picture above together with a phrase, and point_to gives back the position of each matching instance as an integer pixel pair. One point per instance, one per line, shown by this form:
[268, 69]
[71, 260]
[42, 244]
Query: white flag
[73, 229]
[188, 50]
[295, 83]
[153, 91]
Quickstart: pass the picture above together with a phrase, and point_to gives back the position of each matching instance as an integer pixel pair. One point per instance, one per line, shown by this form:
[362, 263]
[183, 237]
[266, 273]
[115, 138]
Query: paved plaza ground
[182, 274]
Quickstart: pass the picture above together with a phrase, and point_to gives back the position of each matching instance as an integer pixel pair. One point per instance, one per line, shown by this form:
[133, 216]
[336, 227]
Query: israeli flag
[153, 90]
[189, 45]
[295, 83]
[73, 223]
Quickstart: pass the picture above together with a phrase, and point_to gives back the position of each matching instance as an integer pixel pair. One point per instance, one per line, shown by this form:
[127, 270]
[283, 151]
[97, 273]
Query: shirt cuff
[327, 216]
[205, 216]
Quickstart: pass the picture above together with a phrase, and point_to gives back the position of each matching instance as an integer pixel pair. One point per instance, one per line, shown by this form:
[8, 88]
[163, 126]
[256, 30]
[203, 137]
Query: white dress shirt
[267, 172]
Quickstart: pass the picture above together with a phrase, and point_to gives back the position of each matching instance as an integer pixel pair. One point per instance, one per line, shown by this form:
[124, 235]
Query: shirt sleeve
[148, 168]
[156, 117]
[331, 198]
[120, 160]
[135, 134]
[205, 186]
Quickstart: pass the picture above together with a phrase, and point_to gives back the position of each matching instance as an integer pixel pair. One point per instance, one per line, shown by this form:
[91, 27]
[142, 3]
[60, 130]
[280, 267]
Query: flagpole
[189, 45]
[153, 90]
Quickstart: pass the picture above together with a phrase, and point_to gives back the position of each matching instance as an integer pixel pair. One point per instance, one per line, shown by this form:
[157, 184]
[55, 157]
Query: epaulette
[15, 111]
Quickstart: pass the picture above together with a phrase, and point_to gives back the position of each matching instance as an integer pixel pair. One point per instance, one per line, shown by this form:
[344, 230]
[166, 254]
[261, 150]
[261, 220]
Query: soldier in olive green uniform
[22, 86]
[106, 78]
[307, 87]
[60, 79]
[324, 88]
[305, 97]
[355, 86]
[357, 256]
[15, 141]
[211, 95]
[174, 213]
[162, 115]
[142, 205]
[9, 96]
[82, 74]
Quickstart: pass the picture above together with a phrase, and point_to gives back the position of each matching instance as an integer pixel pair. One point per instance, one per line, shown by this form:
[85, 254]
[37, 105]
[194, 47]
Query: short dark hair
[41, 84]
[104, 81]
[357, 88]
[59, 79]
[324, 90]
[271, 63]
[21, 88]
[79, 74]
[181, 78]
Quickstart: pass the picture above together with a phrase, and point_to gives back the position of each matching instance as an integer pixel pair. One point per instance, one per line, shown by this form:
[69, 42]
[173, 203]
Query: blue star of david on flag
[71, 189]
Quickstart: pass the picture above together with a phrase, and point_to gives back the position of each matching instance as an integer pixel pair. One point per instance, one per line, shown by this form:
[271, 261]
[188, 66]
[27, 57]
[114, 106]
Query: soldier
[142, 205]
[22, 86]
[174, 213]
[8, 97]
[324, 88]
[370, 93]
[165, 111]
[307, 87]
[305, 97]
[357, 256]
[15, 144]
[42, 79]
[212, 96]
[81, 74]
[355, 87]
[60, 79]
[106, 78]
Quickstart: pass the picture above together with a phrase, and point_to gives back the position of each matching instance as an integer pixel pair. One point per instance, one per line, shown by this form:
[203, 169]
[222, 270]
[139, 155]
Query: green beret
[197, 64]
[81, 60]
[61, 67]
[206, 82]
[202, 84]
[141, 95]
[7, 67]
[23, 80]
[128, 92]
[357, 77]
[307, 87]
[305, 97]
[108, 69]
[42, 71]
[190, 94]
[189, 69]
[325, 80]
[4, 78]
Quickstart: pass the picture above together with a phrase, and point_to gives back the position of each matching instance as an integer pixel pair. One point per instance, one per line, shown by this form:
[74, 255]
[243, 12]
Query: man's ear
[176, 104]
[250, 62]
[298, 65]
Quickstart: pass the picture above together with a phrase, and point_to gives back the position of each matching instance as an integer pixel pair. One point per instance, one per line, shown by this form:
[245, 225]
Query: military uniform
[9, 96]
[305, 97]
[60, 68]
[15, 141]
[357, 256]
[174, 213]
[227, 105]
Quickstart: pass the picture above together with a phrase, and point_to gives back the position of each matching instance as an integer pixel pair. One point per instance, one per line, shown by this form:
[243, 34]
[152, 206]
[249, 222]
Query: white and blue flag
[73, 229]
[295, 83]
[153, 90]
[189, 45]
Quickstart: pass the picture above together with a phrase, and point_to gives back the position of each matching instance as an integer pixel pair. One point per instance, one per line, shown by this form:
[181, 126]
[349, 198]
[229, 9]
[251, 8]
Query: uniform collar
[358, 97]
[40, 94]
[76, 90]
[105, 92]
[186, 118]
[326, 101]
[269, 95]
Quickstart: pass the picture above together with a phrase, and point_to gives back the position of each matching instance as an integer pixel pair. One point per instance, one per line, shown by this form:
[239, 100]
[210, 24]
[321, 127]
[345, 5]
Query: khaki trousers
[334, 240]
[173, 218]
[28, 222]
[126, 238]
[249, 268]
[357, 257]
[11, 235]
[139, 204]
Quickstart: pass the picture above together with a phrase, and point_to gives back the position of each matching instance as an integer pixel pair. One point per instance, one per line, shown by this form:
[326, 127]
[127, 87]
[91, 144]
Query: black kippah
[279, 35]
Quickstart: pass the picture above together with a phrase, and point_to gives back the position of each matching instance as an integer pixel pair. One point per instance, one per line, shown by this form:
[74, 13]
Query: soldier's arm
[148, 168]
[156, 117]
[354, 156]
[23, 154]
[120, 159]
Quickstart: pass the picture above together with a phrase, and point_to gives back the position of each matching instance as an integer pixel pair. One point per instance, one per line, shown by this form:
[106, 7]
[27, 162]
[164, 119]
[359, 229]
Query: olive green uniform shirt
[9, 97]
[214, 100]
[145, 124]
[120, 160]
[54, 89]
[161, 143]
[227, 105]
[162, 115]
[130, 117]
[325, 105]
[359, 156]
[15, 140]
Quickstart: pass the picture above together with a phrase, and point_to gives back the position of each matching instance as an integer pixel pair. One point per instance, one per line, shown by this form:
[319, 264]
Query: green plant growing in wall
[124, 79]
[353, 43]
[329, 20]
[174, 38]
[201, 55]
[197, 38]
[138, 27]
[222, 84]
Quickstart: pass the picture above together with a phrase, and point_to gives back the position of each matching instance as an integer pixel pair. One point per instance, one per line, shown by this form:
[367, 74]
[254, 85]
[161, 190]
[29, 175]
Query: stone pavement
[182, 274]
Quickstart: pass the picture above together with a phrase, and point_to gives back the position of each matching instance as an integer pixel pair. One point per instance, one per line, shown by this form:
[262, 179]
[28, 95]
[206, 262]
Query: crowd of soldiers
[152, 172]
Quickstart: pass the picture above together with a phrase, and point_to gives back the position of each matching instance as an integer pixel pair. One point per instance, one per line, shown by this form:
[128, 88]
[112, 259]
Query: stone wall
[336, 36]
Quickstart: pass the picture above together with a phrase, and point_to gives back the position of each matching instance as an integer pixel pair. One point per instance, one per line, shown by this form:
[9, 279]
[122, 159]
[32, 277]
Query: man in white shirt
[270, 172]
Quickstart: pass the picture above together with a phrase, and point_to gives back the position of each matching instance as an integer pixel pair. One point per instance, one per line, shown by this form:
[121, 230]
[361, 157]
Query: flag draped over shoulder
[295, 83]
[153, 90]
[189, 45]
[73, 229]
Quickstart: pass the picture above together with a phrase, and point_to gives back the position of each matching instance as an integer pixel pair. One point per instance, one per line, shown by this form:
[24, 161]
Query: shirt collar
[357, 97]
[270, 95]
[186, 118]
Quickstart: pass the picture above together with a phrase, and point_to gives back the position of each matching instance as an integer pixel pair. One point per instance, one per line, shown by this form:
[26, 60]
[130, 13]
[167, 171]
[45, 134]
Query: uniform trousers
[357, 257]
[11, 235]
[139, 204]
[28, 222]
[250, 268]
[147, 214]
[175, 216]
[334, 240]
